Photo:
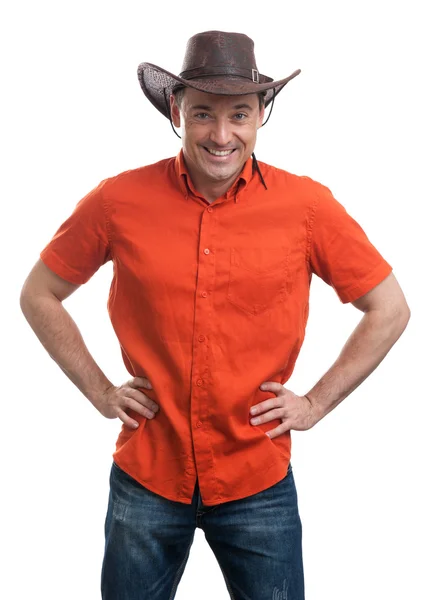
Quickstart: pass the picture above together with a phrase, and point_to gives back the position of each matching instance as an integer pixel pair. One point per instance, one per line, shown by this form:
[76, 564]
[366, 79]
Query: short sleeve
[340, 251]
[81, 244]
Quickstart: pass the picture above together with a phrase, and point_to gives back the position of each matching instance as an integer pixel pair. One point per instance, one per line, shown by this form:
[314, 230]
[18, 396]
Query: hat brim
[157, 84]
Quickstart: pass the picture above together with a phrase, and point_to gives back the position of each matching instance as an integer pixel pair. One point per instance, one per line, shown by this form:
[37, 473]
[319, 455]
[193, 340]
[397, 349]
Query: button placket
[200, 369]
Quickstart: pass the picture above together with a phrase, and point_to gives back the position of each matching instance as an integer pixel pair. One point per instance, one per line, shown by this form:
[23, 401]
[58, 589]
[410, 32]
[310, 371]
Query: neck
[211, 190]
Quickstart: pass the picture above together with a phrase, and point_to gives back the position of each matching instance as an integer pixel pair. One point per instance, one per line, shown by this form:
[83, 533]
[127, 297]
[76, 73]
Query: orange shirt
[208, 300]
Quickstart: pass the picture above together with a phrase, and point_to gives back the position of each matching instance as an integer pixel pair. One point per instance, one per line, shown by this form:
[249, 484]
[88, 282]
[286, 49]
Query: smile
[219, 152]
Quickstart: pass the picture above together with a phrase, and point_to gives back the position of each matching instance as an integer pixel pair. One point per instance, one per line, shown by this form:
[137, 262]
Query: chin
[223, 171]
[221, 174]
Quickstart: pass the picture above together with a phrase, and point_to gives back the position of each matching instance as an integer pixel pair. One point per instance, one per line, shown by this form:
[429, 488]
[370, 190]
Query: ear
[261, 117]
[174, 111]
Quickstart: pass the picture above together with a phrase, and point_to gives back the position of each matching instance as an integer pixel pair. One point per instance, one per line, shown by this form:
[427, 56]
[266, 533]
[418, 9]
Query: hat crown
[216, 62]
[212, 51]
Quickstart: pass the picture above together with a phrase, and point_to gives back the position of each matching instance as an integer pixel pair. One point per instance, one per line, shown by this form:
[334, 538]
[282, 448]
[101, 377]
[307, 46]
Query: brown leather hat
[215, 62]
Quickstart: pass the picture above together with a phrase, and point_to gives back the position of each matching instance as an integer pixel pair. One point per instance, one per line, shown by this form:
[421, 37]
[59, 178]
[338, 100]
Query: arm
[341, 254]
[386, 315]
[41, 302]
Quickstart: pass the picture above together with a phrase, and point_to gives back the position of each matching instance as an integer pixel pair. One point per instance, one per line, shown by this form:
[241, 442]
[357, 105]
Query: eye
[240, 116]
[201, 116]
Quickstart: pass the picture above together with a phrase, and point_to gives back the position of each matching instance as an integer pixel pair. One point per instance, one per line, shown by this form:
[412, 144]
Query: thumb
[272, 386]
[140, 381]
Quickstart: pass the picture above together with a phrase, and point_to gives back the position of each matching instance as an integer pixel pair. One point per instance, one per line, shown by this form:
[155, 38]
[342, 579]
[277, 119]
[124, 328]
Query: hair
[180, 91]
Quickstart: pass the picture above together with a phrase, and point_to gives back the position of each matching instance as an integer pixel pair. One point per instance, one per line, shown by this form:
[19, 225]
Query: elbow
[27, 305]
[406, 315]
[400, 318]
[24, 298]
[27, 298]
[27, 293]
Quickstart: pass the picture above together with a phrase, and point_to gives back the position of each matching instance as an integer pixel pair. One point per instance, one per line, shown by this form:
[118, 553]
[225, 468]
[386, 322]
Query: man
[213, 256]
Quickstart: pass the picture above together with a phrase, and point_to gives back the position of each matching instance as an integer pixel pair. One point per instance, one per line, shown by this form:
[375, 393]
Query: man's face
[218, 132]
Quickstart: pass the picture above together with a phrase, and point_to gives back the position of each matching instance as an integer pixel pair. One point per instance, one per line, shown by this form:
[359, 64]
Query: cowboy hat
[215, 62]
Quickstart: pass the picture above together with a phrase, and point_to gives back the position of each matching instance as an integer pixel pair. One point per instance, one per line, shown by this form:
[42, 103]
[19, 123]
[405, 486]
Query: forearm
[62, 339]
[368, 344]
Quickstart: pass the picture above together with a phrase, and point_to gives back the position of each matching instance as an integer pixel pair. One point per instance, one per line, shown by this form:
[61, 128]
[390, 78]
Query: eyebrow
[207, 107]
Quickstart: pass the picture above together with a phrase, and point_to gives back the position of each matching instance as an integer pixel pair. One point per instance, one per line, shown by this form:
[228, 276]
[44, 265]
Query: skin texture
[208, 121]
[386, 315]
[41, 302]
[220, 125]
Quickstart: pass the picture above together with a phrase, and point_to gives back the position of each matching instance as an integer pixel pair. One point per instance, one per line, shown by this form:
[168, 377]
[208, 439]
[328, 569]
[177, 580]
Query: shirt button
[210, 209]
[189, 471]
[206, 250]
[199, 381]
[201, 338]
[204, 294]
[198, 424]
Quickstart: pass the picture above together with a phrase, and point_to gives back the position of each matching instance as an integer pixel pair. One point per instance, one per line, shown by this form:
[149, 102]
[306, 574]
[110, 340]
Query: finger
[272, 386]
[140, 381]
[263, 406]
[280, 430]
[139, 408]
[142, 399]
[128, 421]
[267, 416]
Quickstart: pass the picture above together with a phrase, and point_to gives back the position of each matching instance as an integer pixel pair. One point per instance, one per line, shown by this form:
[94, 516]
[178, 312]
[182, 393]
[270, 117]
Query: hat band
[251, 74]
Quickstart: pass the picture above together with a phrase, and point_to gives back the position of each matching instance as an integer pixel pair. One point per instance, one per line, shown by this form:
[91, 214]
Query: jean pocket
[258, 277]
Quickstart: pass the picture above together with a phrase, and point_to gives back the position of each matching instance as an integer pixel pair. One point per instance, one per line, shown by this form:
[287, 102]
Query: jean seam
[179, 572]
[229, 588]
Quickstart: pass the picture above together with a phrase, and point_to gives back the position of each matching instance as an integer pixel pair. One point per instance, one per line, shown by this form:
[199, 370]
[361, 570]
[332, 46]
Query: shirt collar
[187, 186]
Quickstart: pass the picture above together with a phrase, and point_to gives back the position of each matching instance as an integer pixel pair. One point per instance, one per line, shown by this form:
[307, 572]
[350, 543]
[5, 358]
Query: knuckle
[141, 410]
[137, 393]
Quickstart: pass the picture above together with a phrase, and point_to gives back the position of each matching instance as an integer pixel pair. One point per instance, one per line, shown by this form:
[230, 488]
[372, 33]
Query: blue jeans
[257, 542]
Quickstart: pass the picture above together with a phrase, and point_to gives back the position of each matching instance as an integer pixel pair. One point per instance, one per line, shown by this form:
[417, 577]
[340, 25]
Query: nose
[221, 134]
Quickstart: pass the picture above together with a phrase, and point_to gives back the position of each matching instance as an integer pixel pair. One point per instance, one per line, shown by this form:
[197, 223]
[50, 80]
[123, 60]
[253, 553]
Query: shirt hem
[278, 474]
[59, 268]
[358, 290]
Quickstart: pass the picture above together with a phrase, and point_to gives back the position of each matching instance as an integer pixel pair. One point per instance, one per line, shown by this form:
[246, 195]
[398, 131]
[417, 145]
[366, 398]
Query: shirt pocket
[258, 277]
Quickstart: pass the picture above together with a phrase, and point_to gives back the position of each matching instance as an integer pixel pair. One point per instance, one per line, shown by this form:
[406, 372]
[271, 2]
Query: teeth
[219, 152]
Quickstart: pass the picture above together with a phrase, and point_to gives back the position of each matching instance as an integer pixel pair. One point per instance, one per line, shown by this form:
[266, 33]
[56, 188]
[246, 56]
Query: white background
[356, 119]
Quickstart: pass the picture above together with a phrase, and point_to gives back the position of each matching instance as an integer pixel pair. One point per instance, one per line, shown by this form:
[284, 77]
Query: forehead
[197, 98]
